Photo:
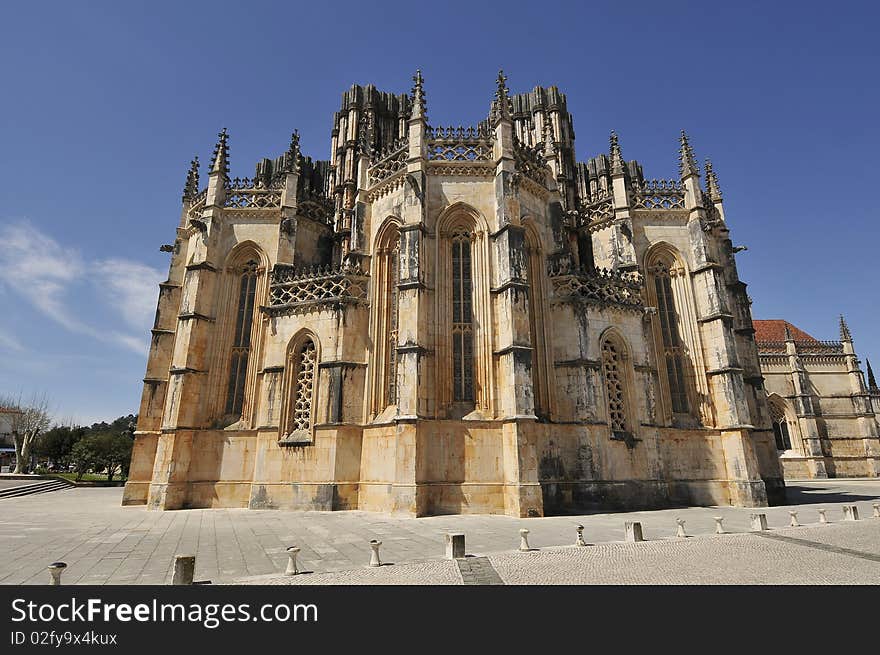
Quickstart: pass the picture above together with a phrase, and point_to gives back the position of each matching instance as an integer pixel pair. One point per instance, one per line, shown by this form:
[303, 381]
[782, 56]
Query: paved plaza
[104, 543]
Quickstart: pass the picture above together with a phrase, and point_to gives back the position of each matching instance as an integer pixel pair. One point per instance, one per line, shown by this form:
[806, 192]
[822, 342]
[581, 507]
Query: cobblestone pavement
[783, 556]
[105, 543]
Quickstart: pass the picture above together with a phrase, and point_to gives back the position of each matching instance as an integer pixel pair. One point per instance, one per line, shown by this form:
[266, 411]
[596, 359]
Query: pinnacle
[617, 164]
[712, 183]
[420, 106]
[844, 330]
[687, 164]
[501, 105]
[221, 154]
[191, 188]
[291, 162]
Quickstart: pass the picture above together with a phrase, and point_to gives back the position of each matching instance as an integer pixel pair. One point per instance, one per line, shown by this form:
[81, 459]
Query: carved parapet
[530, 161]
[803, 347]
[303, 290]
[597, 213]
[658, 194]
[246, 193]
[597, 286]
[316, 207]
[460, 144]
[198, 203]
[390, 163]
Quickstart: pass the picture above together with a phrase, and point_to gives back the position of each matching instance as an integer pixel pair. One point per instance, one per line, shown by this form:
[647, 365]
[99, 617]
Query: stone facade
[824, 414]
[449, 320]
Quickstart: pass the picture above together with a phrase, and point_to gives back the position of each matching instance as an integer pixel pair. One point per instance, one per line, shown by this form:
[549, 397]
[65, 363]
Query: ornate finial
[787, 331]
[712, 183]
[618, 166]
[687, 164]
[420, 105]
[844, 330]
[501, 105]
[221, 155]
[191, 188]
[872, 381]
[292, 156]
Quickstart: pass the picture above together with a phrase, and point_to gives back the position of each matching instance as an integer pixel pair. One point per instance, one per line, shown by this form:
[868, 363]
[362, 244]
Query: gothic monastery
[449, 320]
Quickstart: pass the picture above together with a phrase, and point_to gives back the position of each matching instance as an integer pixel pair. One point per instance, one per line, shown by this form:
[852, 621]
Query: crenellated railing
[597, 285]
[803, 347]
[658, 194]
[389, 163]
[292, 289]
[197, 204]
[530, 161]
[596, 213]
[459, 144]
[247, 193]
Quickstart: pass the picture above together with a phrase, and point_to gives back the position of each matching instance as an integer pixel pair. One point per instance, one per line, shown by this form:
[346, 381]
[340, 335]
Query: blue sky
[105, 103]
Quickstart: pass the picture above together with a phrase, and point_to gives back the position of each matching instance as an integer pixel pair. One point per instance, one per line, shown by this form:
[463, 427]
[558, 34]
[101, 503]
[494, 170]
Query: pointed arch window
[462, 318]
[305, 359]
[673, 349]
[780, 427]
[532, 271]
[615, 387]
[241, 344]
[300, 391]
[391, 321]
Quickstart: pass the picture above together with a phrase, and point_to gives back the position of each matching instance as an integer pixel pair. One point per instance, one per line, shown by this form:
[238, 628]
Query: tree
[29, 423]
[116, 450]
[85, 455]
[56, 444]
[103, 448]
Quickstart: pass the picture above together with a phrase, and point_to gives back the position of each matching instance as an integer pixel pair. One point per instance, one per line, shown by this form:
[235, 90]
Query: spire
[292, 156]
[787, 329]
[712, 183]
[501, 105]
[618, 167]
[687, 164]
[872, 381]
[420, 106]
[220, 158]
[191, 188]
[844, 330]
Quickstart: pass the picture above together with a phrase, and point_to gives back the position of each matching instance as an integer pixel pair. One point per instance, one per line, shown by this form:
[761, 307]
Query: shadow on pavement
[795, 495]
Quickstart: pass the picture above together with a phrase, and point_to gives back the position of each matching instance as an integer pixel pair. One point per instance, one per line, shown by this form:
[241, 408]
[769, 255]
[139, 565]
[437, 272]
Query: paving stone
[99, 539]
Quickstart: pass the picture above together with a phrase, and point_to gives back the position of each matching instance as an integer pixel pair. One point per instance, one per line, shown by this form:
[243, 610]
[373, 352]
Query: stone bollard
[680, 531]
[876, 507]
[793, 522]
[454, 545]
[719, 528]
[822, 517]
[292, 569]
[633, 531]
[524, 540]
[55, 571]
[759, 522]
[184, 569]
[580, 538]
[850, 513]
[374, 555]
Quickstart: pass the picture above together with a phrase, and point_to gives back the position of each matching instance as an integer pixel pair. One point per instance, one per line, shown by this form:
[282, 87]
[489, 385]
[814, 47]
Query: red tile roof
[774, 330]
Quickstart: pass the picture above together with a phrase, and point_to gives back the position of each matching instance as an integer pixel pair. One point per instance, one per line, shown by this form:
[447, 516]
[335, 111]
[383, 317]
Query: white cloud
[132, 287]
[44, 273]
[9, 342]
